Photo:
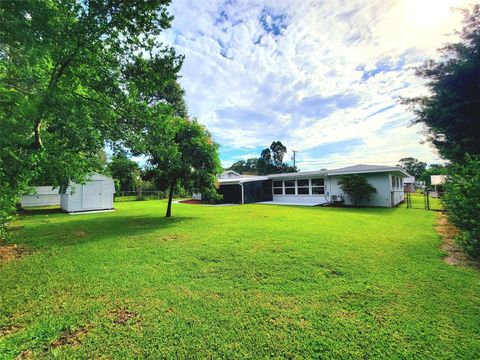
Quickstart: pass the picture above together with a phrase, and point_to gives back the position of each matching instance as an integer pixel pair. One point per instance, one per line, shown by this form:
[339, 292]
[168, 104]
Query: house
[409, 184]
[96, 194]
[313, 187]
[41, 196]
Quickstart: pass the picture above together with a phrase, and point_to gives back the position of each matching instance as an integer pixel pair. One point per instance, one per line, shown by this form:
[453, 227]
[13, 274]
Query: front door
[92, 194]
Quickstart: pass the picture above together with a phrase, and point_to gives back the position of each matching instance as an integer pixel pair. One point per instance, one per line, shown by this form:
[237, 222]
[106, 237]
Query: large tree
[188, 157]
[451, 110]
[271, 160]
[278, 151]
[66, 85]
[412, 166]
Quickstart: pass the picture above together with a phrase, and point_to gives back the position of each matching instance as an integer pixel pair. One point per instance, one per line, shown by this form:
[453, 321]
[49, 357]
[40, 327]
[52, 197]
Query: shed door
[92, 194]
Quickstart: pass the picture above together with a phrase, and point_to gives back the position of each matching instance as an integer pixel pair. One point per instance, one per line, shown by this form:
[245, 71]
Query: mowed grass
[253, 281]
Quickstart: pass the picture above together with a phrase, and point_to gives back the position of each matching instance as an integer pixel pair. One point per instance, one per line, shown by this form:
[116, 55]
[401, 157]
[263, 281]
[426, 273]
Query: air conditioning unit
[336, 198]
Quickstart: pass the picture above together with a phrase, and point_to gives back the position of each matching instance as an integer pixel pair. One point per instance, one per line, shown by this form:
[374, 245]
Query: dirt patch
[173, 237]
[122, 316]
[191, 201]
[71, 338]
[10, 329]
[454, 253]
[10, 252]
[26, 354]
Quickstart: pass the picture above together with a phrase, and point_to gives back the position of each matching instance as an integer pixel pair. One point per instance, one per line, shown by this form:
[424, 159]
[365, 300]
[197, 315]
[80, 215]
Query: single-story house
[96, 194]
[313, 187]
[41, 196]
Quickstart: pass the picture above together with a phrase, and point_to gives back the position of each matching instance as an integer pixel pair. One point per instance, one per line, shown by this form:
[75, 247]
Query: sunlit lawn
[253, 281]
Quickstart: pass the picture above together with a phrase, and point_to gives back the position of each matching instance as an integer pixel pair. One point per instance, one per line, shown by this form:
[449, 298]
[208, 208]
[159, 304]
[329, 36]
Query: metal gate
[428, 200]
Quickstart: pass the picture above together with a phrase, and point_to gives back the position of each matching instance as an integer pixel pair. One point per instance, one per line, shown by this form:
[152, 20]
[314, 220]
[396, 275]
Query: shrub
[356, 187]
[211, 196]
[462, 201]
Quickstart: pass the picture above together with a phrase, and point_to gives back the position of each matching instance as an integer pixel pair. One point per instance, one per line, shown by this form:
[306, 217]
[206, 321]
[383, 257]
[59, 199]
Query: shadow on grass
[41, 210]
[80, 229]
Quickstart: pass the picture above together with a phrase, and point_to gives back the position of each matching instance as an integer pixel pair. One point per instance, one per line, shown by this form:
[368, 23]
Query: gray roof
[298, 174]
[362, 169]
[354, 169]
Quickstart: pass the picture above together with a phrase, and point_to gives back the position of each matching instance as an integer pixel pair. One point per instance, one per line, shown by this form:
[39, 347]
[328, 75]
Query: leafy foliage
[269, 162]
[462, 199]
[68, 85]
[182, 154]
[125, 170]
[451, 112]
[356, 187]
[413, 166]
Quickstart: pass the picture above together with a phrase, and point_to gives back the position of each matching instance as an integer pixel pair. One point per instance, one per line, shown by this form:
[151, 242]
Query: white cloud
[310, 73]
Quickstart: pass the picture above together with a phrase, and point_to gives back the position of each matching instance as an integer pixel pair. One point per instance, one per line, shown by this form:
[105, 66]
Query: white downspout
[327, 191]
[243, 195]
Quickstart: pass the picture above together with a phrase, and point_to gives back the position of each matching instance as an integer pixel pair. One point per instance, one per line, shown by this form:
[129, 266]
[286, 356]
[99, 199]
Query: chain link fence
[428, 200]
[139, 195]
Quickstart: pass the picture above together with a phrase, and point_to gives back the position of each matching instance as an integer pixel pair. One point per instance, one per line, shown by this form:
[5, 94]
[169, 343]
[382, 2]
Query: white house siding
[44, 196]
[380, 181]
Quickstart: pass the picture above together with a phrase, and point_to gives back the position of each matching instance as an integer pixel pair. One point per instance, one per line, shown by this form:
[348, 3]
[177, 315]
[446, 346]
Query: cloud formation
[324, 77]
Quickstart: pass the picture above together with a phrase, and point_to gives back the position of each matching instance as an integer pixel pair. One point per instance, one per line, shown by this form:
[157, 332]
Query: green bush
[8, 207]
[357, 188]
[462, 201]
[211, 196]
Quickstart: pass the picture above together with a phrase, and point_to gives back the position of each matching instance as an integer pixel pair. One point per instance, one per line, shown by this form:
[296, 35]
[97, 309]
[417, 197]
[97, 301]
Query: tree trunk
[170, 197]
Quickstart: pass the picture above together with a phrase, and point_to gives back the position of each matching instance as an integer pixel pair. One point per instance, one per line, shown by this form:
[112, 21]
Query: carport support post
[243, 195]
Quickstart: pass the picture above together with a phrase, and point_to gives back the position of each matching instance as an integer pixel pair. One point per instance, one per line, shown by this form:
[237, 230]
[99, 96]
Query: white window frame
[294, 187]
[277, 187]
[308, 186]
[317, 186]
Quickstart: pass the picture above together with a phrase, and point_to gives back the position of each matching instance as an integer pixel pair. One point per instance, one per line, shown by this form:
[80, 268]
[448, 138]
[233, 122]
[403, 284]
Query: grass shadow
[57, 231]
[40, 210]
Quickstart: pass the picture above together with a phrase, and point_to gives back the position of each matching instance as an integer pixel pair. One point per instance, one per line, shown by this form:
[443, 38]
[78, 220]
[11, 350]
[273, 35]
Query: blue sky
[324, 77]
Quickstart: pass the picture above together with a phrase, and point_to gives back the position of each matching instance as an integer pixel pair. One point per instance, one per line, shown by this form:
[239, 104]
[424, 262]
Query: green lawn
[253, 281]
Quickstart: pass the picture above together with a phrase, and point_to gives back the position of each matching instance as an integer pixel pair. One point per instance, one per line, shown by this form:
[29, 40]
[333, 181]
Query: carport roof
[241, 179]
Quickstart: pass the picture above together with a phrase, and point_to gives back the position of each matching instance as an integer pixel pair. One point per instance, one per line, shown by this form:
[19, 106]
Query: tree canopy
[413, 166]
[183, 155]
[71, 75]
[451, 110]
[125, 171]
[269, 162]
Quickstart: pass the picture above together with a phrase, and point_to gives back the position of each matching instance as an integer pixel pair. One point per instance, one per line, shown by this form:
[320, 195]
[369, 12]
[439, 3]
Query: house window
[318, 186]
[278, 188]
[289, 187]
[393, 182]
[303, 187]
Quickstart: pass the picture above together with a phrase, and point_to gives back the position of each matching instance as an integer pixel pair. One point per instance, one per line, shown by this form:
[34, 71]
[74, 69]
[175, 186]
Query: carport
[245, 189]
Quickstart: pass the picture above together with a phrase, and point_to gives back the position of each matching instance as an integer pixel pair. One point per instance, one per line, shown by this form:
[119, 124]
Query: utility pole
[294, 153]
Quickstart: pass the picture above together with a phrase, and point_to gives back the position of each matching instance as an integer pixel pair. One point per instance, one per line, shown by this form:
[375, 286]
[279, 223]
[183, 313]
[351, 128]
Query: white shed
[41, 196]
[96, 194]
